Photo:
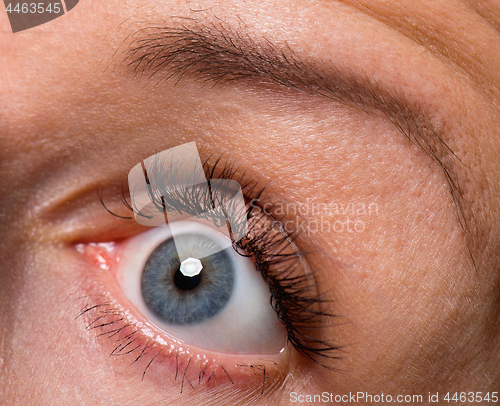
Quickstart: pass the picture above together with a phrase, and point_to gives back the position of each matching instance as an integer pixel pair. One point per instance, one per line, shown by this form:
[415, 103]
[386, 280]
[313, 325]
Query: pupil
[186, 282]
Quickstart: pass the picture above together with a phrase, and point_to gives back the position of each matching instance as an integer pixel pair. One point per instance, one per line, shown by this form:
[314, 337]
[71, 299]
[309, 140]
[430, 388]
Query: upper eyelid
[173, 189]
[304, 286]
[76, 214]
[214, 167]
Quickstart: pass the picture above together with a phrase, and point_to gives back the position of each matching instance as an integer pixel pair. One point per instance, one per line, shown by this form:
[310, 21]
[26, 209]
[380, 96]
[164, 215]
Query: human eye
[213, 308]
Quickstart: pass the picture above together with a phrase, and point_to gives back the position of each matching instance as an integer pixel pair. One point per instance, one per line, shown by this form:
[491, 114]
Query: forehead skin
[415, 315]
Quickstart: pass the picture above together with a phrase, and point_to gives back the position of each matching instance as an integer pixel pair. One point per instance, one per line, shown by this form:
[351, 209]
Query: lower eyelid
[158, 357]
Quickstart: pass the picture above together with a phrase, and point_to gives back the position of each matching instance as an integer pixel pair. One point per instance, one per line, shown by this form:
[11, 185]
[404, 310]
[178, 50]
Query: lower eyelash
[295, 295]
[109, 320]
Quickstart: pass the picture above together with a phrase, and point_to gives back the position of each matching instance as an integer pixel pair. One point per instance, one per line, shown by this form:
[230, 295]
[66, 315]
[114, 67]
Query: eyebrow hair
[218, 54]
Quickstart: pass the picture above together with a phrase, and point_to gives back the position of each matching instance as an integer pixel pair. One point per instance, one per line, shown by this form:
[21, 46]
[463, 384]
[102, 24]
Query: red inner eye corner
[102, 255]
[154, 354]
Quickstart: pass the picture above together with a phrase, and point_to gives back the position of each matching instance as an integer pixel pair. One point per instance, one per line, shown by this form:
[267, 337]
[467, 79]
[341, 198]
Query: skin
[414, 315]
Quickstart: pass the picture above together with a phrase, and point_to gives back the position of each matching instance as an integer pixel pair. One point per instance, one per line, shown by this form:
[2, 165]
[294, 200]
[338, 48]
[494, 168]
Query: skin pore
[414, 288]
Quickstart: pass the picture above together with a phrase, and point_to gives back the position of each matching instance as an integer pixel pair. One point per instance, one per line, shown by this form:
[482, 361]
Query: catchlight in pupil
[191, 267]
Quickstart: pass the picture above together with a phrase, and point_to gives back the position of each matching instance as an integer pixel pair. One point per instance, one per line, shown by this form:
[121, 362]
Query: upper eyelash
[297, 303]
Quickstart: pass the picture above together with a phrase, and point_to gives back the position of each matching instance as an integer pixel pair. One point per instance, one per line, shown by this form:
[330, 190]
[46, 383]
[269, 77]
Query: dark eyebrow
[218, 54]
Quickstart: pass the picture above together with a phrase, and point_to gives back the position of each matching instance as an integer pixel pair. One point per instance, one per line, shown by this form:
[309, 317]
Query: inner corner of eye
[100, 254]
[187, 280]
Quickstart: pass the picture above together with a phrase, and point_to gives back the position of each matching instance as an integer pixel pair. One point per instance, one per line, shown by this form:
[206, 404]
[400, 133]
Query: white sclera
[191, 267]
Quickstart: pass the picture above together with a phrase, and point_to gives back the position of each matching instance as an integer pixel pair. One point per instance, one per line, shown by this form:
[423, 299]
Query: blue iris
[178, 299]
